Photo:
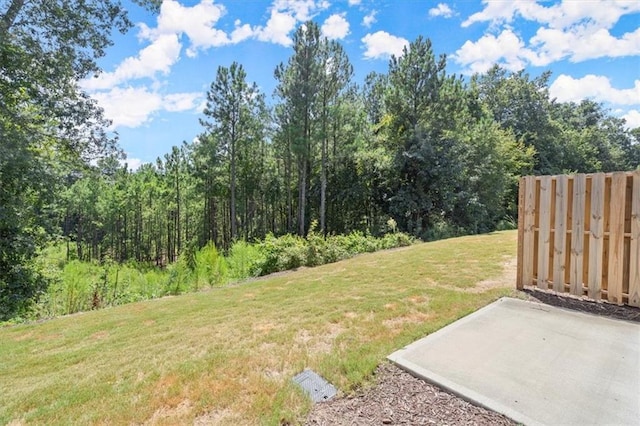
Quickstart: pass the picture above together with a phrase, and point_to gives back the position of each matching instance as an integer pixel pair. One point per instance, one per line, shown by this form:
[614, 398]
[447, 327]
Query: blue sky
[156, 76]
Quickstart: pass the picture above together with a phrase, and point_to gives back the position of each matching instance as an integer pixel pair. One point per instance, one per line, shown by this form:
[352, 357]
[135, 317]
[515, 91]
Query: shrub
[243, 260]
[211, 268]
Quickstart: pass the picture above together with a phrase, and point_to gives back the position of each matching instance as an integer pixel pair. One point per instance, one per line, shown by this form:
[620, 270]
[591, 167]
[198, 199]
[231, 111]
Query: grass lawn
[227, 356]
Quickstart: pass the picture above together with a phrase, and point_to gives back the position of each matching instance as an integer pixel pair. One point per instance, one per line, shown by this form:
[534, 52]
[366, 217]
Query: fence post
[521, 192]
[634, 252]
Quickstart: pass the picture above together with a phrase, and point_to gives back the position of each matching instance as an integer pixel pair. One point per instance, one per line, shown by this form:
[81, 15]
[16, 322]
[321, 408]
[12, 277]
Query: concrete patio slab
[537, 364]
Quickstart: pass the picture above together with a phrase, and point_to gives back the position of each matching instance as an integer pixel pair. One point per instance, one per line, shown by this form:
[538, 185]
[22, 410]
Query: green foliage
[47, 125]
[211, 267]
[291, 251]
[242, 260]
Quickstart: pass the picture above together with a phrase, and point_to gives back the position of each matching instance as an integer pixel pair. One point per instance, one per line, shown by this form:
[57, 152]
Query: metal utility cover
[318, 388]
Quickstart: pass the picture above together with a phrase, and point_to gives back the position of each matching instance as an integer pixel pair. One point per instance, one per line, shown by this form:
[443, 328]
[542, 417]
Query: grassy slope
[229, 354]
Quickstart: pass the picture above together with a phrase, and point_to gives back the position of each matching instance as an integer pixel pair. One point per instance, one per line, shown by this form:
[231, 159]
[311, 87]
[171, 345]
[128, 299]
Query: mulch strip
[398, 398]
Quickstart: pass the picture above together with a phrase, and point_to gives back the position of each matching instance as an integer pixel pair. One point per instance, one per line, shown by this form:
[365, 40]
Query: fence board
[560, 237]
[596, 236]
[581, 234]
[528, 228]
[544, 231]
[577, 235]
[616, 238]
[634, 252]
[521, 192]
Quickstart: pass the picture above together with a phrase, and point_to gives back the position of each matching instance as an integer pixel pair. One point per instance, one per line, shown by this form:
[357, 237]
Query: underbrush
[76, 286]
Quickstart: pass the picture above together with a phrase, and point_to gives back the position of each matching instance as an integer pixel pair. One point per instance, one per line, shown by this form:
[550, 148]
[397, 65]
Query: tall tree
[232, 106]
[426, 162]
[299, 84]
[336, 76]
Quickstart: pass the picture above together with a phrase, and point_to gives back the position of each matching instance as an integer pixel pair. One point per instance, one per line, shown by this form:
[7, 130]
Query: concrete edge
[460, 390]
[455, 388]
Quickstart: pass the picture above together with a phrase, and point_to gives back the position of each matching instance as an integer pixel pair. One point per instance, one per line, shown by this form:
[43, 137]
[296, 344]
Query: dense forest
[418, 150]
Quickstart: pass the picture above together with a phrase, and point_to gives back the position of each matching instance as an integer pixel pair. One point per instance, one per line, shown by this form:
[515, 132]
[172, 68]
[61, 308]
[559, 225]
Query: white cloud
[442, 9]
[277, 29]
[176, 102]
[596, 87]
[132, 163]
[573, 30]
[507, 49]
[159, 56]
[301, 10]
[370, 19]
[134, 106]
[197, 22]
[284, 16]
[576, 31]
[335, 27]
[381, 45]
[354, 2]
[129, 107]
[581, 43]
[632, 118]
[602, 13]
[241, 32]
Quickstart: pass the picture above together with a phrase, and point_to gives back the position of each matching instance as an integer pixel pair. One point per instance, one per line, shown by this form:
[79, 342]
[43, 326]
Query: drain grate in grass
[318, 388]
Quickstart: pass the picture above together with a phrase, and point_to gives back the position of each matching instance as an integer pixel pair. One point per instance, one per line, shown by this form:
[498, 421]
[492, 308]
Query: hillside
[227, 355]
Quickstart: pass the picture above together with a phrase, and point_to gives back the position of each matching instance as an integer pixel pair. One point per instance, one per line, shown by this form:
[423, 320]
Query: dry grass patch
[227, 356]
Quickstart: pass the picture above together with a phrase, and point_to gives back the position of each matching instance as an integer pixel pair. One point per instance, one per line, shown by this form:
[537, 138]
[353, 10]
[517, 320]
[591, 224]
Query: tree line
[415, 149]
[435, 153]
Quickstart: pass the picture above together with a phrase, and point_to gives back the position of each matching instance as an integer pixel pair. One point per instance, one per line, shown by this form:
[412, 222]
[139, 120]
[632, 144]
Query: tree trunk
[302, 195]
[232, 204]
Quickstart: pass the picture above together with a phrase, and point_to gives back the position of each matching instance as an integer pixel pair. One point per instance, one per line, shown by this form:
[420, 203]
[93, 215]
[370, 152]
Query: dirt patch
[418, 300]
[23, 337]
[411, 318]
[100, 335]
[401, 399]
[320, 343]
[169, 413]
[507, 279]
[217, 417]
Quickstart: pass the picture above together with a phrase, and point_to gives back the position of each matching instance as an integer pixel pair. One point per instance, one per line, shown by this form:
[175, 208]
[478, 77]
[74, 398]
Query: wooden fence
[580, 234]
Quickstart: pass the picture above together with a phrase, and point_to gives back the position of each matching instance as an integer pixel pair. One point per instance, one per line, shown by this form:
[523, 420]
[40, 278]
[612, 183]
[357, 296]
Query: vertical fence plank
[529, 222]
[544, 232]
[596, 236]
[577, 235]
[616, 237]
[521, 193]
[634, 252]
[560, 237]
